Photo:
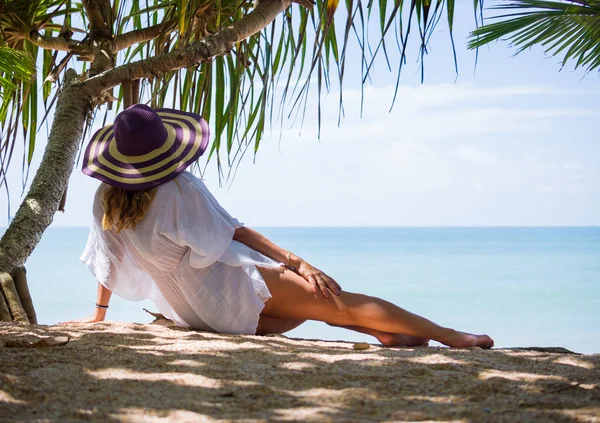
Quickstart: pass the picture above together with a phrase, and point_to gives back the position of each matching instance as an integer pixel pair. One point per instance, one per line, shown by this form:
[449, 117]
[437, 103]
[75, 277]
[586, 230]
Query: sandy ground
[113, 372]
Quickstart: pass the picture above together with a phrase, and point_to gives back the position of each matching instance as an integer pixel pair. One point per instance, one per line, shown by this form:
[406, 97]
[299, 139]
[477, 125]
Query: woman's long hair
[124, 209]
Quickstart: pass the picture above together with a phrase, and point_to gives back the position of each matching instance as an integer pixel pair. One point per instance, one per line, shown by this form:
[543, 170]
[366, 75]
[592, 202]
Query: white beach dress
[181, 256]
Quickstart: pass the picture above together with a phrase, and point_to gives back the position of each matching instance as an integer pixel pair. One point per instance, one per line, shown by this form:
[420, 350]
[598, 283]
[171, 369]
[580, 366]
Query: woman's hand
[312, 275]
[95, 318]
[99, 315]
[318, 280]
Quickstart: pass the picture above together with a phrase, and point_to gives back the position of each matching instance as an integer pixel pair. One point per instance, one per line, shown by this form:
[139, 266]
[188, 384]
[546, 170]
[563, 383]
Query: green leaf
[571, 28]
[219, 90]
[18, 64]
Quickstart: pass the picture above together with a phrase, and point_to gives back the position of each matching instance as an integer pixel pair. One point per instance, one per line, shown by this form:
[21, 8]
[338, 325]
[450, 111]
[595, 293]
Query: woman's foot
[465, 340]
[399, 340]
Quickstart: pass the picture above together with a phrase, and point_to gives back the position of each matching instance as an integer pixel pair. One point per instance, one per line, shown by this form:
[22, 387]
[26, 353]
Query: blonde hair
[125, 209]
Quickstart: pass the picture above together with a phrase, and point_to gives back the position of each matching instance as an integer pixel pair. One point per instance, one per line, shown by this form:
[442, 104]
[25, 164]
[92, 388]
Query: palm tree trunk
[37, 209]
[20, 279]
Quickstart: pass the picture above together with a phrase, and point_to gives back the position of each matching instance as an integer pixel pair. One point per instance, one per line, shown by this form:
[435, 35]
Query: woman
[159, 234]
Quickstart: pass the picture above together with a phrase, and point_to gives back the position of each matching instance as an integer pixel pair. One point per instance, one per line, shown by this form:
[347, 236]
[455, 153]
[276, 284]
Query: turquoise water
[523, 286]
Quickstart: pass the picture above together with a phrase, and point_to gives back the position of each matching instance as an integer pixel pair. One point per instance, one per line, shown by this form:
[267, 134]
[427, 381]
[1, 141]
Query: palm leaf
[14, 66]
[569, 28]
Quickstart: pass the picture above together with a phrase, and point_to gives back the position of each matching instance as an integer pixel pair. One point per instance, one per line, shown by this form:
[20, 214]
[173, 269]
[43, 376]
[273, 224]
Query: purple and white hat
[145, 147]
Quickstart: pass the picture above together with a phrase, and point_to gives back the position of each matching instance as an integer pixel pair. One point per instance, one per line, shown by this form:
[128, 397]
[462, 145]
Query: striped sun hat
[145, 147]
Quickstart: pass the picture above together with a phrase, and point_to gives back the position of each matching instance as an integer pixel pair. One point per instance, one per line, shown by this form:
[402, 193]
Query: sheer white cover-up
[182, 257]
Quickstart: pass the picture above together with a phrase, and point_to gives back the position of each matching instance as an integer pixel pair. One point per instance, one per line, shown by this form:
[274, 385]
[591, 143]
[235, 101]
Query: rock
[361, 346]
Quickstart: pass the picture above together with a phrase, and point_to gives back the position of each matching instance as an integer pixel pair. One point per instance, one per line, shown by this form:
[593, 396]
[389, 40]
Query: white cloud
[436, 112]
[476, 156]
[412, 165]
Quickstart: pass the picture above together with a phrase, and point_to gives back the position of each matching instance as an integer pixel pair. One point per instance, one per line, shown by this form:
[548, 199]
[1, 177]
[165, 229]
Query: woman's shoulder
[179, 188]
[189, 177]
[185, 182]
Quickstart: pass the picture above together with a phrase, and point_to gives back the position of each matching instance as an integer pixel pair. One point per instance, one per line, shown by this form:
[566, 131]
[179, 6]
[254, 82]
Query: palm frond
[14, 66]
[570, 28]
[264, 79]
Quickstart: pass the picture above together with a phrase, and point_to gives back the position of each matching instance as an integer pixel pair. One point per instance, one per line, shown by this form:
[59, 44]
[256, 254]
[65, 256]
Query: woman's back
[182, 255]
[182, 215]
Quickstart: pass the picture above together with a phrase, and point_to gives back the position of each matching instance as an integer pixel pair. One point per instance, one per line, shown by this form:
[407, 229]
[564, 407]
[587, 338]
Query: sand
[117, 372]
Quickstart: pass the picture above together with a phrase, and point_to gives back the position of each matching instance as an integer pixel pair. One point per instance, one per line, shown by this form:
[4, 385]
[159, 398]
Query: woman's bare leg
[269, 325]
[292, 298]
[389, 339]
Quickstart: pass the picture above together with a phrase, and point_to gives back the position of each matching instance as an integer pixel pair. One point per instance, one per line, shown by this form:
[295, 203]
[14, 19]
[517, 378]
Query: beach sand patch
[154, 373]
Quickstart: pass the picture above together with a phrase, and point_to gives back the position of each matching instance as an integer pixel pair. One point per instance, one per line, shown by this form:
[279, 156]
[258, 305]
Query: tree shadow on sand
[126, 372]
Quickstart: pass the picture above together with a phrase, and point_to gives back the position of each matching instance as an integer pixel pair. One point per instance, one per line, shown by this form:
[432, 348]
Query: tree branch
[53, 43]
[126, 86]
[200, 51]
[98, 13]
[128, 39]
[306, 3]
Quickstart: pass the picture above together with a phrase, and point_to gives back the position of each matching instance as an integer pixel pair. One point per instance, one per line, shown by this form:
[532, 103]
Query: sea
[526, 286]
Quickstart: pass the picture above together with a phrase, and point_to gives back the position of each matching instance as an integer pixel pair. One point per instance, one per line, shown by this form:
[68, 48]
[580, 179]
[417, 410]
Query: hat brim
[187, 140]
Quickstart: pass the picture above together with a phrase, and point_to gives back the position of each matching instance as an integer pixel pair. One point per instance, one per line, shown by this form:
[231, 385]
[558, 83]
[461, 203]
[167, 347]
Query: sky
[512, 142]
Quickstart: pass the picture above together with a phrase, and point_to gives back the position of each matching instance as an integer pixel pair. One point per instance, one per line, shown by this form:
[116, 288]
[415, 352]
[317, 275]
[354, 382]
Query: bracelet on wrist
[288, 261]
[104, 307]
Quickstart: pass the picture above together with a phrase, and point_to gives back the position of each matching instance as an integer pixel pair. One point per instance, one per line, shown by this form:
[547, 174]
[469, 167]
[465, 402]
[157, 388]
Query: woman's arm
[102, 300]
[311, 274]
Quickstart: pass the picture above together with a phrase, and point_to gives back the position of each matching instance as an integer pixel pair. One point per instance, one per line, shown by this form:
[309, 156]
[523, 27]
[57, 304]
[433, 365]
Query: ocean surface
[523, 286]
